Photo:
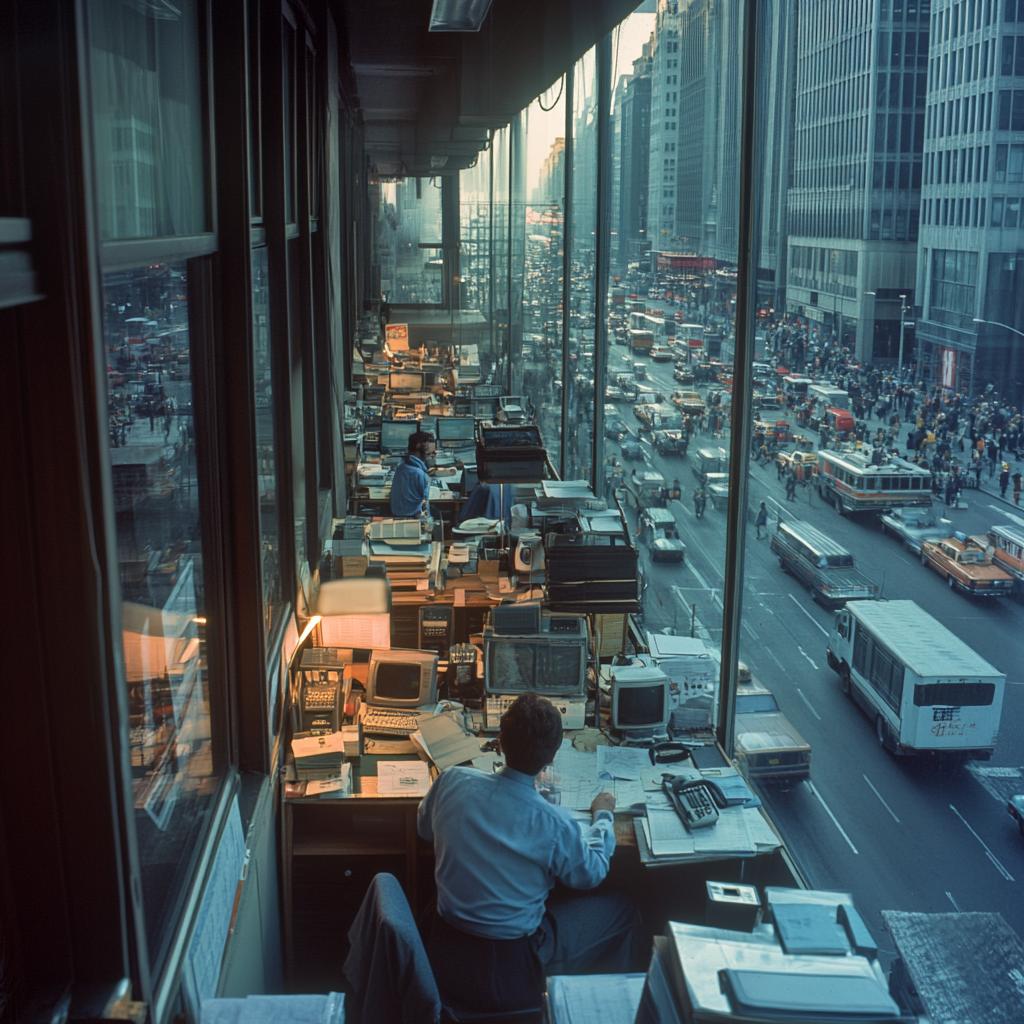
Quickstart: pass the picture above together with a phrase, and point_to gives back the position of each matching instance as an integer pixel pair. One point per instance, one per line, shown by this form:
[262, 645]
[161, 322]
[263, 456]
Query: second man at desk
[410, 487]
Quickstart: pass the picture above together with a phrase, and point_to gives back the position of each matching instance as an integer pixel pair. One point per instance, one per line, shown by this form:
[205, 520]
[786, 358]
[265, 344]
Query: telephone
[696, 801]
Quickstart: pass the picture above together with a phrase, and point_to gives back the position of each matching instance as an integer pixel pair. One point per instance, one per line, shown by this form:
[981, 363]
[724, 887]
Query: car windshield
[753, 703]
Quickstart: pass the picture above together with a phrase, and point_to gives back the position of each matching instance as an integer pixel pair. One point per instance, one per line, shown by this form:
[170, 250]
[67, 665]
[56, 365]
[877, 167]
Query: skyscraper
[971, 262]
[634, 160]
[861, 71]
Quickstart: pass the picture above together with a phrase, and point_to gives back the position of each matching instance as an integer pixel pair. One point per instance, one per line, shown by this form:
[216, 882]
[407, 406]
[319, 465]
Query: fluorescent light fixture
[458, 15]
[354, 595]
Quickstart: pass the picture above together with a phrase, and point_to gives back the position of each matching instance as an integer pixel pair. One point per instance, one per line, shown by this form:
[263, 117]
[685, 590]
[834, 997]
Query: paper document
[364, 631]
[584, 999]
[622, 762]
[402, 778]
[445, 742]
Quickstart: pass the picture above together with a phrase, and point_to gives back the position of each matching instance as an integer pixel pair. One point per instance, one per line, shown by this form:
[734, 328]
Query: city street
[899, 833]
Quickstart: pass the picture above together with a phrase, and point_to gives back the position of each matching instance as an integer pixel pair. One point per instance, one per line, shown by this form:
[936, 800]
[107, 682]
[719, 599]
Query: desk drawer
[354, 827]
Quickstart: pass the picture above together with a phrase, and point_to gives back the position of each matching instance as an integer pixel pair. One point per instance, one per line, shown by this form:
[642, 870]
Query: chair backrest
[388, 967]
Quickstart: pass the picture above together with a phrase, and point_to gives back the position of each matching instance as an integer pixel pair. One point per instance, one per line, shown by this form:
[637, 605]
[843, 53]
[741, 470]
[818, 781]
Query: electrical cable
[561, 89]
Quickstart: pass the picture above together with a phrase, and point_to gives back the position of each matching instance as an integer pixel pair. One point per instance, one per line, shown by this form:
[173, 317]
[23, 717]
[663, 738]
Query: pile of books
[815, 964]
[319, 758]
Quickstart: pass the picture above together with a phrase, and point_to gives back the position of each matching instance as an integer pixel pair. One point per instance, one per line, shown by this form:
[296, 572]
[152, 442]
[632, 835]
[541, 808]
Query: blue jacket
[410, 487]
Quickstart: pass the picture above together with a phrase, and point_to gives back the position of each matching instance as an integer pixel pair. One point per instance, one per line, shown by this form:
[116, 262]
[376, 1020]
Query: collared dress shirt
[499, 847]
[410, 487]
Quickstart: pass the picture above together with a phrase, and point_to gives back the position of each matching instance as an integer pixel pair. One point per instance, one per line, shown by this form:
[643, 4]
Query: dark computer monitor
[405, 380]
[395, 434]
[401, 679]
[456, 431]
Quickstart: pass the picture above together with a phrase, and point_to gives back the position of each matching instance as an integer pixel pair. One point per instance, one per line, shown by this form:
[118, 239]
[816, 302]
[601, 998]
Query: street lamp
[995, 323]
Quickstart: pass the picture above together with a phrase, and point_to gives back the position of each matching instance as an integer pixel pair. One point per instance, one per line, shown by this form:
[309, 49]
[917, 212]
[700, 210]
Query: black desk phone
[696, 801]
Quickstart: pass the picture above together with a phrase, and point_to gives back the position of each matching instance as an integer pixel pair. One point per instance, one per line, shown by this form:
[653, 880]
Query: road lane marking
[807, 656]
[700, 579]
[988, 853]
[808, 614]
[1009, 515]
[776, 660]
[949, 896]
[808, 703]
[883, 803]
[835, 821]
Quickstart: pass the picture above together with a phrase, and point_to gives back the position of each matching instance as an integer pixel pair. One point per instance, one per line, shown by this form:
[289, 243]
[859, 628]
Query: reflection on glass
[266, 463]
[147, 119]
[410, 214]
[582, 256]
[160, 554]
[542, 285]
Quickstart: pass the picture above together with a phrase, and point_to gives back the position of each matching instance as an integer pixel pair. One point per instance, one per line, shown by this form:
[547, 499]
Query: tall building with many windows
[861, 76]
[634, 117]
[970, 275]
[665, 119]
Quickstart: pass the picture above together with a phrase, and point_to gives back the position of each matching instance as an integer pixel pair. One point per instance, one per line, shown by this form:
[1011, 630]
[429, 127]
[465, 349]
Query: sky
[544, 127]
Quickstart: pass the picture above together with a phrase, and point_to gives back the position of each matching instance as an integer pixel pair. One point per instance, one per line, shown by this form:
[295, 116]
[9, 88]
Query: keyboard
[389, 722]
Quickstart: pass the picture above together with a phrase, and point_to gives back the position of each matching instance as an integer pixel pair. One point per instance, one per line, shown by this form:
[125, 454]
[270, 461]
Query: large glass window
[408, 241]
[544, 215]
[266, 457]
[147, 119]
[175, 765]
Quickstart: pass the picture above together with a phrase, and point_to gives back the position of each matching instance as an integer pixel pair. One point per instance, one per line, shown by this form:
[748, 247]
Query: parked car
[614, 427]
[683, 374]
[967, 566]
[669, 442]
[913, 526]
[768, 745]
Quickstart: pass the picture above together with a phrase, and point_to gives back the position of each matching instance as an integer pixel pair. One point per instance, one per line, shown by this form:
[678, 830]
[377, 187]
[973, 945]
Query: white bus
[926, 690]
[860, 480]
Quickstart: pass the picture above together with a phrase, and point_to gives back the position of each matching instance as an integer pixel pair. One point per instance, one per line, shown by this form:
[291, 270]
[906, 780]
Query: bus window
[860, 650]
[964, 695]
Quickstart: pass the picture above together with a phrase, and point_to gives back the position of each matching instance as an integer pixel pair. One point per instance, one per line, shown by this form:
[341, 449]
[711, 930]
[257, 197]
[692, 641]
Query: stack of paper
[413, 567]
[716, 976]
[318, 757]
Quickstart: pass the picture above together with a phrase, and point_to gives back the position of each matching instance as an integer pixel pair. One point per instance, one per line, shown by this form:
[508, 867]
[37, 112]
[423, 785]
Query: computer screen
[456, 431]
[640, 699]
[395, 434]
[403, 380]
[543, 664]
[401, 679]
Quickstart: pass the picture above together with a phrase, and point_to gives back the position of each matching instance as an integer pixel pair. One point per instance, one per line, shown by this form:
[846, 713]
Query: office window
[150, 153]
[175, 755]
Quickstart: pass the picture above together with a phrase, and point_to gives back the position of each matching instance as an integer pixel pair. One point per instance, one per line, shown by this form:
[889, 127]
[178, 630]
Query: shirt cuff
[603, 815]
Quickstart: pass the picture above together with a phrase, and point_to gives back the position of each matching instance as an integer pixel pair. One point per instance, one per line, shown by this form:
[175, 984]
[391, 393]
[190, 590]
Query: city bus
[925, 689]
[1008, 553]
[855, 480]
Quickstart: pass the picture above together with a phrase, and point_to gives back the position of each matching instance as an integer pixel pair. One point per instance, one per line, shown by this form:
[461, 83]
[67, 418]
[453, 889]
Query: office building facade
[634, 118]
[971, 256]
[854, 200]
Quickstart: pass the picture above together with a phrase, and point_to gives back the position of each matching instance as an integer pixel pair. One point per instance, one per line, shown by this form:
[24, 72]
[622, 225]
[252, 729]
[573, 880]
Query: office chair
[391, 976]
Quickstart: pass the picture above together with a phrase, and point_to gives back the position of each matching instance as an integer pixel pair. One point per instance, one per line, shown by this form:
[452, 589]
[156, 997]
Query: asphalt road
[897, 833]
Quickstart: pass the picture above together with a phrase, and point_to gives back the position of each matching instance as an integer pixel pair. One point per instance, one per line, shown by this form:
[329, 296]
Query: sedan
[914, 526]
[632, 451]
[767, 744]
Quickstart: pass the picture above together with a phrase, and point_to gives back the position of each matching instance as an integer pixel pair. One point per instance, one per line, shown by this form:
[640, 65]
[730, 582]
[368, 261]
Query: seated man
[410, 487]
[500, 847]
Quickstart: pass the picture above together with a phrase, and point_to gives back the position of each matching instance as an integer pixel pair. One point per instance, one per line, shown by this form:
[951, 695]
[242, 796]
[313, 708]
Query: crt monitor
[640, 700]
[401, 679]
[456, 431]
[395, 434]
[550, 666]
[405, 380]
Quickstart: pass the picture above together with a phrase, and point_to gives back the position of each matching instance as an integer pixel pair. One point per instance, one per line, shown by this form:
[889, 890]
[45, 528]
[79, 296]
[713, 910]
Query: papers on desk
[579, 782]
[594, 998]
[622, 762]
[402, 778]
[739, 831]
[445, 742]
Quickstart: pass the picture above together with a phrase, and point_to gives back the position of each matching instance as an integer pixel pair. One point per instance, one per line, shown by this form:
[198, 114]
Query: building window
[150, 156]
[954, 279]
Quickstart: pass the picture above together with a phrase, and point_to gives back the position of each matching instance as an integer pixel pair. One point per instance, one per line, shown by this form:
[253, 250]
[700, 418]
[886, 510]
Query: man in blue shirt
[410, 486]
[500, 847]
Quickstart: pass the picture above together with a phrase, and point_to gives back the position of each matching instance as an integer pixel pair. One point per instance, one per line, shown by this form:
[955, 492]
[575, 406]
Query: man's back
[499, 848]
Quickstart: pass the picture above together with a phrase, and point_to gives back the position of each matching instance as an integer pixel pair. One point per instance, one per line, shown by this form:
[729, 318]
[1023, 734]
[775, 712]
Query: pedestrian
[762, 519]
[698, 497]
[791, 486]
[976, 467]
[1004, 479]
[1016, 488]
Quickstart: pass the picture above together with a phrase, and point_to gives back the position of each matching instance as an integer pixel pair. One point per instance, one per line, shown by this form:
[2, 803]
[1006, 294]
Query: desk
[331, 849]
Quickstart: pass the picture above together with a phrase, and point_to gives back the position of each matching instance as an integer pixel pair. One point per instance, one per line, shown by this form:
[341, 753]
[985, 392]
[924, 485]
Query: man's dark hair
[531, 732]
[421, 437]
